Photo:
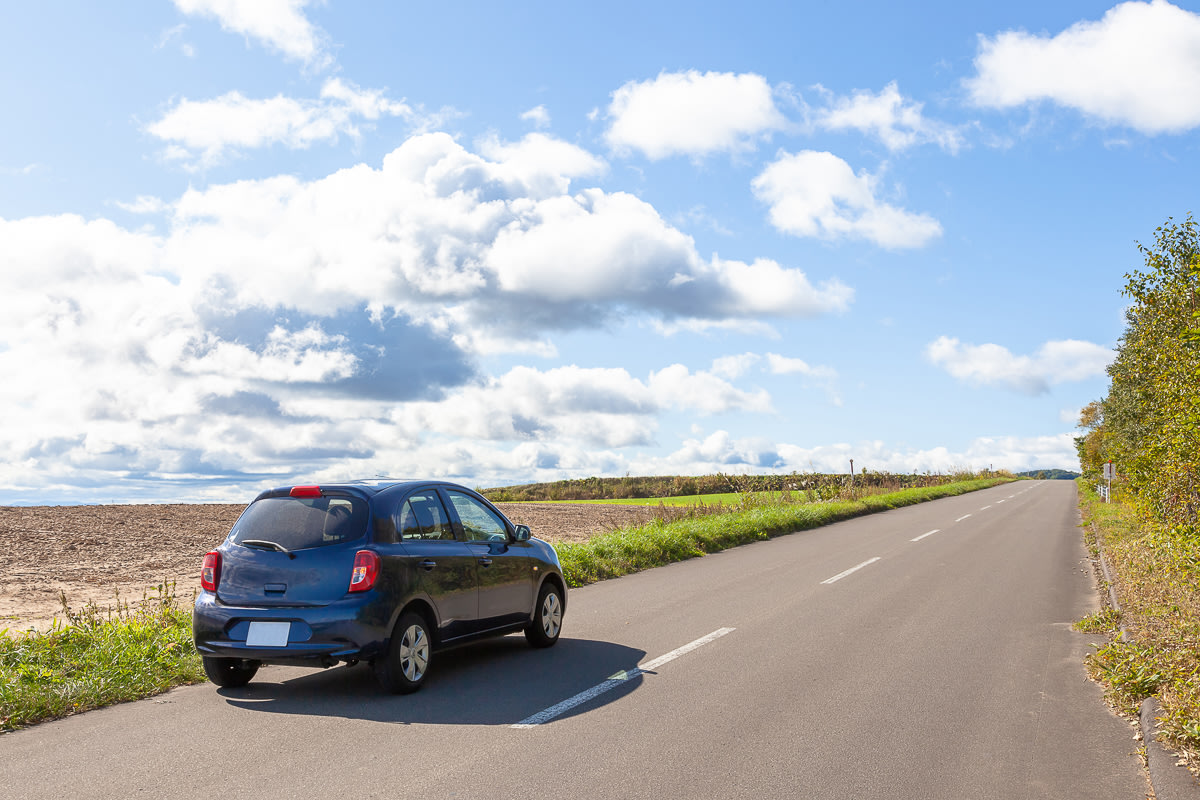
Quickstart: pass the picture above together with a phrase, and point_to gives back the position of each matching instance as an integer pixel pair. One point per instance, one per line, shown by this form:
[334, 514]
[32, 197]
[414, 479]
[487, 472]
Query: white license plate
[268, 634]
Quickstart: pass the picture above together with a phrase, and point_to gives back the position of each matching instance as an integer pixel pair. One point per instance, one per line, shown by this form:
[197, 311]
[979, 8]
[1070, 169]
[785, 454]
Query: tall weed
[96, 658]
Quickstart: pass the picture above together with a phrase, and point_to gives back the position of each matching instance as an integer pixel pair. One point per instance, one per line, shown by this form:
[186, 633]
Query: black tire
[402, 666]
[229, 672]
[546, 625]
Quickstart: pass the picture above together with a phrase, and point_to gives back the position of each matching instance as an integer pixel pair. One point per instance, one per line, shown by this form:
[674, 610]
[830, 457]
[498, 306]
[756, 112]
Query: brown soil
[110, 554]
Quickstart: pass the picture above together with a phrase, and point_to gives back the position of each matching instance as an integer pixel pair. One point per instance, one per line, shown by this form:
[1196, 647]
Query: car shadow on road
[495, 682]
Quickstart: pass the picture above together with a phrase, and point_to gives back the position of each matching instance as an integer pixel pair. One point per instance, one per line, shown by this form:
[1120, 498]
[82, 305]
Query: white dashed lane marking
[850, 571]
[617, 680]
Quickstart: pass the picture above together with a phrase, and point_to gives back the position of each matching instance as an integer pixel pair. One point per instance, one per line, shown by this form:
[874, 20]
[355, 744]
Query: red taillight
[305, 491]
[210, 571]
[366, 570]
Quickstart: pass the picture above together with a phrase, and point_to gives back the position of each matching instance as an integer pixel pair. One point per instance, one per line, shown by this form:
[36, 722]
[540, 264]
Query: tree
[1150, 421]
[1090, 445]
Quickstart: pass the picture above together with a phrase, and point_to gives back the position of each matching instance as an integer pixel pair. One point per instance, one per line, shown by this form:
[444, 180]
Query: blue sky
[246, 242]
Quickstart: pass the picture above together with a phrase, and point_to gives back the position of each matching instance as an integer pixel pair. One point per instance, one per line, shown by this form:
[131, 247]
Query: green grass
[96, 659]
[1156, 572]
[753, 518]
[1106, 620]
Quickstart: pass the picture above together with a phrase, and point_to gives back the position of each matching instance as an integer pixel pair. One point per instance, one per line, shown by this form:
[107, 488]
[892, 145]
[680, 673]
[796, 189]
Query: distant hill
[1049, 475]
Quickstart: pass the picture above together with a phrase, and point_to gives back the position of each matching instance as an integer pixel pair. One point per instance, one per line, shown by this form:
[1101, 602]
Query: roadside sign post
[1110, 472]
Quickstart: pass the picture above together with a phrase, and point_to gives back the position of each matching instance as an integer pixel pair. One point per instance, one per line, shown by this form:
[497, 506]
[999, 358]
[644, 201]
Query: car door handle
[428, 565]
[487, 562]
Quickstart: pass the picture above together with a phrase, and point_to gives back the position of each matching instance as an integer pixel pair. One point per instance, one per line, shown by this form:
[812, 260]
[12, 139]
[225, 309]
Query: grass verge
[1156, 576]
[96, 659]
[755, 518]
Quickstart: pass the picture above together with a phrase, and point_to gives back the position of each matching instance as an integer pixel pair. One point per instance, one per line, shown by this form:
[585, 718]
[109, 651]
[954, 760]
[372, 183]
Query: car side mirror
[523, 533]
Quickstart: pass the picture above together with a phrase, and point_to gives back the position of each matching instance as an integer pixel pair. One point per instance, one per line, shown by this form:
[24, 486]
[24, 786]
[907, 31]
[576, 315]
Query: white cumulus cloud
[705, 392]
[992, 364]
[1136, 66]
[201, 133]
[896, 121]
[538, 115]
[1014, 453]
[817, 194]
[591, 406]
[718, 452]
[270, 328]
[692, 113]
[143, 204]
[605, 407]
[474, 246]
[733, 367]
[279, 24]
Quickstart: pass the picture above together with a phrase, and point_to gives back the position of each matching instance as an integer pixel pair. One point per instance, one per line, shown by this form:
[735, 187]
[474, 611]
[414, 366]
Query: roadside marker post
[1110, 472]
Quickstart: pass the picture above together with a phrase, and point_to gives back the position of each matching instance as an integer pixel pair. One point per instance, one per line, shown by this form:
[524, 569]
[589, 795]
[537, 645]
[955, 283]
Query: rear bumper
[318, 636]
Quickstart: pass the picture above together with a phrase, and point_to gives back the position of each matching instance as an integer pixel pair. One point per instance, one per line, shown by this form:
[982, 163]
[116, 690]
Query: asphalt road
[940, 668]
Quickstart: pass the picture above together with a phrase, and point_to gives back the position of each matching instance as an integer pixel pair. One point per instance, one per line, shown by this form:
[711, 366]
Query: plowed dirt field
[99, 554]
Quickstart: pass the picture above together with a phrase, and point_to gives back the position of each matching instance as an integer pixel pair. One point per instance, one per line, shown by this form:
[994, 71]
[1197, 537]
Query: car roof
[370, 486]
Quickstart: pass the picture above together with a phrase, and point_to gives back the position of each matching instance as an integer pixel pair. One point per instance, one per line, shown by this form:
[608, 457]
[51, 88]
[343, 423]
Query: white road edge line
[850, 571]
[923, 535]
[616, 680]
[964, 516]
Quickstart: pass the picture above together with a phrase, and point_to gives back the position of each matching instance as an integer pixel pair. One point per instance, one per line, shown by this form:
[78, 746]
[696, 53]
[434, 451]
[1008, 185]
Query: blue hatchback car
[384, 572]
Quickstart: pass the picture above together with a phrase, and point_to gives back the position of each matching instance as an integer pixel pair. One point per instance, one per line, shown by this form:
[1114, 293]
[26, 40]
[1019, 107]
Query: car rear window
[298, 523]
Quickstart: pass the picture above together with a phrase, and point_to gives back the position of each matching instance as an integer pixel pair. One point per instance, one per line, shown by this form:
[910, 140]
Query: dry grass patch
[1156, 576]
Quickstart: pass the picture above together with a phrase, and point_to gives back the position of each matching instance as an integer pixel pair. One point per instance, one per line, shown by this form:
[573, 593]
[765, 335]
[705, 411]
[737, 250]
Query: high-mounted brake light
[305, 491]
[210, 571]
[366, 570]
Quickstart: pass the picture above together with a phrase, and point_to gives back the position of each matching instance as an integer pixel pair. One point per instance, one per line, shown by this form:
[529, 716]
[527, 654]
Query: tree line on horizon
[661, 486]
[1049, 474]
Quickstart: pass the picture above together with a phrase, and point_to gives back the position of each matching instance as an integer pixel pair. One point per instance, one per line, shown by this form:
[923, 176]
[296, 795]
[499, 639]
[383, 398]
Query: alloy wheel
[414, 652]
[551, 615]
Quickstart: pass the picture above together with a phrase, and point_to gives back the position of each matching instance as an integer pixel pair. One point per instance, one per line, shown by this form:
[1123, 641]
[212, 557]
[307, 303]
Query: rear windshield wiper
[265, 545]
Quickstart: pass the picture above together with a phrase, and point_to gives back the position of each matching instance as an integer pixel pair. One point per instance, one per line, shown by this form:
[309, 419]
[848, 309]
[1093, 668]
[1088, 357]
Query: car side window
[479, 522]
[424, 517]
